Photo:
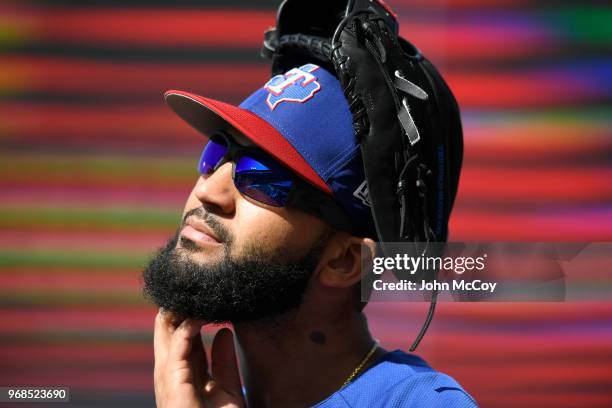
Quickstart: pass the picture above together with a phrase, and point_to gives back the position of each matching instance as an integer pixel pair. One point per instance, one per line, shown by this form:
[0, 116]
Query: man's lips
[198, 232]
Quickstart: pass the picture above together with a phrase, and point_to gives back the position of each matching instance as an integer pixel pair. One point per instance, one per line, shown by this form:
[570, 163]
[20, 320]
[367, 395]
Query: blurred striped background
[94, 171]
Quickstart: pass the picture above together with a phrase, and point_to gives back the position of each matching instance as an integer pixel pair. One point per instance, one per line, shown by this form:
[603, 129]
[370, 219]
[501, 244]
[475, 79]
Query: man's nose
[217, 190]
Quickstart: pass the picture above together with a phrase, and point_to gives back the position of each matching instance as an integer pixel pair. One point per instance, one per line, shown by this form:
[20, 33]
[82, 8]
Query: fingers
[181, 340]
[181, 367]
[165, 325]
[161, 337]
[161, 340]
[224, 365]
[199, 362]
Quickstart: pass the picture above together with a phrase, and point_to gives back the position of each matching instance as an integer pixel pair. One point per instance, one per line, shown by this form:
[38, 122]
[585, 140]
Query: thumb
[224, 365]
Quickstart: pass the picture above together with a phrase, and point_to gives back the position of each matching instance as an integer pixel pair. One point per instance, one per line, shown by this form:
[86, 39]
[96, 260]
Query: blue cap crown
[307, 107]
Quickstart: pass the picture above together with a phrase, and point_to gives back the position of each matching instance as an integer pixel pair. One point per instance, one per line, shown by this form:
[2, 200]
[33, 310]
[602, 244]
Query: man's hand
[181, 374]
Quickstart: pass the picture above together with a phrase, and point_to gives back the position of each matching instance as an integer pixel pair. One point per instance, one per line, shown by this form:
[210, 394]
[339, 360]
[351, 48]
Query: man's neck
[299, 361]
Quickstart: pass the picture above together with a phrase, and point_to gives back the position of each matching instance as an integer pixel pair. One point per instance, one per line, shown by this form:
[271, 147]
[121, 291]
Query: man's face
[234, 259]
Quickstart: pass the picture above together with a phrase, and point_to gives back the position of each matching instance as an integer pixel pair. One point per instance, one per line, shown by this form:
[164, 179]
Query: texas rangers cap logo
[296, 85]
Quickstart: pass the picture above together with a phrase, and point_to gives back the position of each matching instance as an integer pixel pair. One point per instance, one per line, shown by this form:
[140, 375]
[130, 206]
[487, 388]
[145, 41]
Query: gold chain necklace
[360, 366]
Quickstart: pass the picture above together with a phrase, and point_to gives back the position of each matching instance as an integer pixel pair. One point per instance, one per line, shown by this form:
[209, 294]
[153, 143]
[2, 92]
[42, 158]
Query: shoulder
[417, 384]
[432, 389]
[401, 380]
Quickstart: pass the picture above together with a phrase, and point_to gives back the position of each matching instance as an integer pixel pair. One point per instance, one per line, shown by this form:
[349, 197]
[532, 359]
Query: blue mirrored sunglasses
[255, 174]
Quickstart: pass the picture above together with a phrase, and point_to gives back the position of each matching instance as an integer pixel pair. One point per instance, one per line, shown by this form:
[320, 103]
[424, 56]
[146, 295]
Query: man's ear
[340, 263]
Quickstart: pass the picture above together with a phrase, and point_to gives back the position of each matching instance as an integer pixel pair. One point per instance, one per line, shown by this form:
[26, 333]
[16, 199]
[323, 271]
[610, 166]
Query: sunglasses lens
[212, 154]
[263, 180]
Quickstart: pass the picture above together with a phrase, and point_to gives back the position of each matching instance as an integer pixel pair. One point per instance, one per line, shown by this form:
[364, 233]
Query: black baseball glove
[405, 117]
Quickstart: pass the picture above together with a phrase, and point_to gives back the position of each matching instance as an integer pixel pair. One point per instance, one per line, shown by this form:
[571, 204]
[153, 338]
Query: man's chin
[218, 288]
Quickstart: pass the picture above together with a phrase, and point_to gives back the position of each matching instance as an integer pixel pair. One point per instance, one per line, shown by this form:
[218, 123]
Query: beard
[257, 286]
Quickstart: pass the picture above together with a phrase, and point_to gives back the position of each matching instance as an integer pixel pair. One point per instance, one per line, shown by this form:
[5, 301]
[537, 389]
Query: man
[270, 242]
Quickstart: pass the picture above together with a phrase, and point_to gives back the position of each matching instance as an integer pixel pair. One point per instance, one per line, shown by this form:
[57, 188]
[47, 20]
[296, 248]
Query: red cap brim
[208, 115]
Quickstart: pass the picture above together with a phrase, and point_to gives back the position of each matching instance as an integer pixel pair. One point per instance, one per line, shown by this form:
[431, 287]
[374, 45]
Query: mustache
[212, 222]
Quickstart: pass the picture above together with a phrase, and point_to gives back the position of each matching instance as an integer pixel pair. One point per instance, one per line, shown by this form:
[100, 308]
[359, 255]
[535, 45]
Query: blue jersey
[400, 380]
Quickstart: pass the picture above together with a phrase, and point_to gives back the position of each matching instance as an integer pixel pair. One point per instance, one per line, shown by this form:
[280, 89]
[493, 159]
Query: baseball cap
[302, 119]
